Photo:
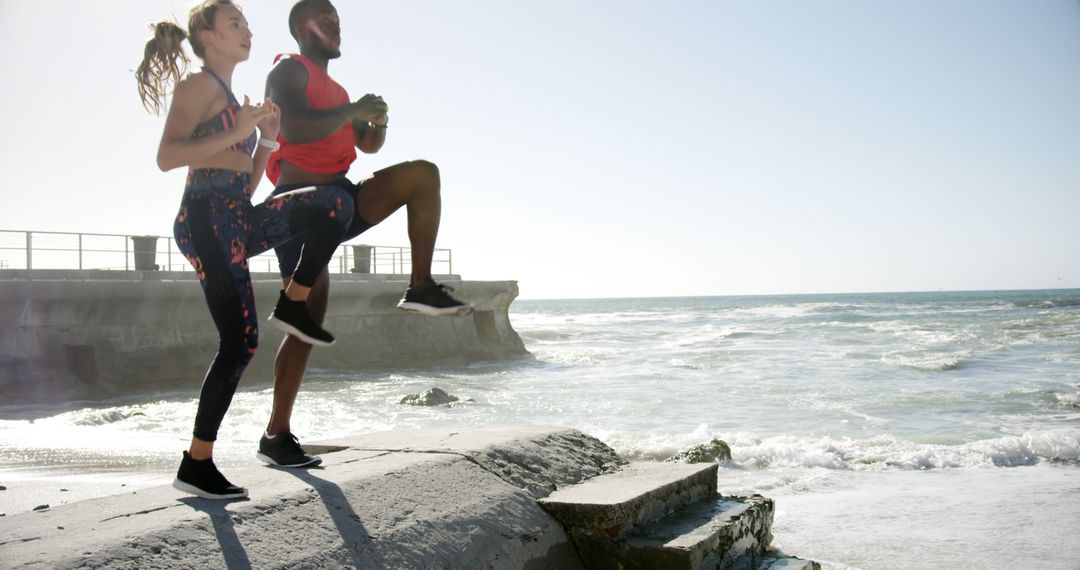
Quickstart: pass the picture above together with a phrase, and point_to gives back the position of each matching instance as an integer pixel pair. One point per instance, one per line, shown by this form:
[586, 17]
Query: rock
[715, 450]
[3, 488]
[433, 397]
[41, 507]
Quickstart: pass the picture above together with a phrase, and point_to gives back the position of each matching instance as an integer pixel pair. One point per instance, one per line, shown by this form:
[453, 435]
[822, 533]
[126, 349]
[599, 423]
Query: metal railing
[119, 252]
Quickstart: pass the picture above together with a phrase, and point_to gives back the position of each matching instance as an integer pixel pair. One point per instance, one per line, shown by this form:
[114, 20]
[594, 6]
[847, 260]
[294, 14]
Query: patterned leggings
[217, 229]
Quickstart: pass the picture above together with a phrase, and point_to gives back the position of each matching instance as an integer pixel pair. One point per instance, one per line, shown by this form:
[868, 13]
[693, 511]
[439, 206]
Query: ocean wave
[928, 362]
[779, 311]
[567, 358]
[884, 452]
[873, 454]
[1053, 303]
[1072, 400]
[103, 417]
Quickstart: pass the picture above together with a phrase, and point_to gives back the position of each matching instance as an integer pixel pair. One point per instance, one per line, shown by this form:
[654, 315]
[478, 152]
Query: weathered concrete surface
[727, 532]
[662, 515]
[538, 464]
[71, 335]
[404, 499]
[716, 533]
[642, 492]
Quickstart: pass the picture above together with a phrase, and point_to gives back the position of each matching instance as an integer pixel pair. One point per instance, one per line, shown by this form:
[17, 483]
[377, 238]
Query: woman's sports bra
[225, 120]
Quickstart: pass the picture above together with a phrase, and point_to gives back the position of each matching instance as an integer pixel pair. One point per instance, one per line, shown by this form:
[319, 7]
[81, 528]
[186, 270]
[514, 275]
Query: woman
[218, 228]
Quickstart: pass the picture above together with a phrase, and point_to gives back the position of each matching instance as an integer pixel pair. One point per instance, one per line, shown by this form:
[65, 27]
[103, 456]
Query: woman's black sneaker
[283, 450]
[293, 318]
[202, 478]
[431, 298]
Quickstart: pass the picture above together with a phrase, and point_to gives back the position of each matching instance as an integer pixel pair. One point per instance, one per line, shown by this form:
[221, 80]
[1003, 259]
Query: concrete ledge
[407, 499]
[642, 492]
[121, 333]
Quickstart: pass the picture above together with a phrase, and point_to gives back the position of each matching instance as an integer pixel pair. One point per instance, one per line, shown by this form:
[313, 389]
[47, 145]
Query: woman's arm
[190, 102]
[268, 129]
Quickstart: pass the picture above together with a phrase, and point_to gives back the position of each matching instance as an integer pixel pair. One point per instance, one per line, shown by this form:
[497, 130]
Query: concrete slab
[708, 534]
[637, 494]
[422, 506]
[727, 532]
[536, 459]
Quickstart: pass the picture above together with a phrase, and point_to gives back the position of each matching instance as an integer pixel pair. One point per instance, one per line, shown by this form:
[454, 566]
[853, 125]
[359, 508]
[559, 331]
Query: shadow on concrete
[348, 523]
[236, 557]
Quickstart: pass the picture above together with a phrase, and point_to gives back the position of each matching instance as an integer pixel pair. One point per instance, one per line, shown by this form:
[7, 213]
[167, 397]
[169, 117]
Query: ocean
[906, 430]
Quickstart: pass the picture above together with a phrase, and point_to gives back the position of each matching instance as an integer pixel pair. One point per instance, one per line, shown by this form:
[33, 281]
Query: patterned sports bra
[225, 120]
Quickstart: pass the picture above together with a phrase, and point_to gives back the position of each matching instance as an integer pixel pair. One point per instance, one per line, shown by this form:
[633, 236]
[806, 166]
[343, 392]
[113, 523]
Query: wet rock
[433, 397]
[715, 450]
[41, 507]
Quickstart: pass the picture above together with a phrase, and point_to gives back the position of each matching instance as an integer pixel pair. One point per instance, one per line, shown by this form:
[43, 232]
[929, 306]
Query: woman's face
[231, 37]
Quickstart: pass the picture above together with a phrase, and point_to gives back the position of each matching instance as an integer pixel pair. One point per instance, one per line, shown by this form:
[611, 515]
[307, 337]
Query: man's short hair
[298, 12]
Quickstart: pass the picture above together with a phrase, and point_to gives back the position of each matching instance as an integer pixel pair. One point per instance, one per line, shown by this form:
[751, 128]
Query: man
[320, 132]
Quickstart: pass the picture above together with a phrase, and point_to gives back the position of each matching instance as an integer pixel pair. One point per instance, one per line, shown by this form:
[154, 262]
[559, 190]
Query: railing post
[126, 266]
[80, 252]
[168, 252]
[450, 262]
[29, 250]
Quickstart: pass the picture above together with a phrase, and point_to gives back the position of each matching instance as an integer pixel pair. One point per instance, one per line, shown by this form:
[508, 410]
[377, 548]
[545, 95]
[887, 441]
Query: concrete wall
[90, 334]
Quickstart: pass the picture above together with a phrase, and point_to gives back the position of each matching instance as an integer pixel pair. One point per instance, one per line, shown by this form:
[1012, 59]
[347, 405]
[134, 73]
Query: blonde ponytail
[164, 61]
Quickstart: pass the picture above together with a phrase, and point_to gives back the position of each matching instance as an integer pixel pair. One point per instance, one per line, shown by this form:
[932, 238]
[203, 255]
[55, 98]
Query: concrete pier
[498, 497]
[395, 500]
[71, 335]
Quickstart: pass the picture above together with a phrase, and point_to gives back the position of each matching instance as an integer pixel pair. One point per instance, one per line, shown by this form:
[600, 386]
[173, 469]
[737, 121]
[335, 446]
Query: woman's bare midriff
[227, 160]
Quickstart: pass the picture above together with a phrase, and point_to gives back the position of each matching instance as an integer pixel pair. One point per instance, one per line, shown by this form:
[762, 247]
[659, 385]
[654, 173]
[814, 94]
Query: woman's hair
[164, 60]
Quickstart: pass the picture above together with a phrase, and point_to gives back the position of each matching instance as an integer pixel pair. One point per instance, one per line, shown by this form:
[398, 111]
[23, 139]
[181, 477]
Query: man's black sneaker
[293, 318]
[202, 478]
[283, 450]
[431, 298]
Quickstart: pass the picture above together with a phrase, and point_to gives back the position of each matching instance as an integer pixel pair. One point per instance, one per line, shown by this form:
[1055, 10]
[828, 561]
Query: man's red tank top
[334, 153]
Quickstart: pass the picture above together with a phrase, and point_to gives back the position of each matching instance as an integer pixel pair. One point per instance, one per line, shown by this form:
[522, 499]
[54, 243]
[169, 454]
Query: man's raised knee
[427, 169]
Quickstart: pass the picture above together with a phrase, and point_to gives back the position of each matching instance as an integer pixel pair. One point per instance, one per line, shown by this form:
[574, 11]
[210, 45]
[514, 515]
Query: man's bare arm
[300, 124]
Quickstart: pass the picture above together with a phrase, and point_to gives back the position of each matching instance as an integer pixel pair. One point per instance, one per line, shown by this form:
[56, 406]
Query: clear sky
[617, 148]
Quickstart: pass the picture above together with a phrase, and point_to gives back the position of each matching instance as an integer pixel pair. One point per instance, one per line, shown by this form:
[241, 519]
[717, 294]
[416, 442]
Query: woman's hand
[269, 127]
[251, 116]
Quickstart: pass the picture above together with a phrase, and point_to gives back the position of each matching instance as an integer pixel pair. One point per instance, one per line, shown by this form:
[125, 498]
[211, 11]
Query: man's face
[324, 29]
